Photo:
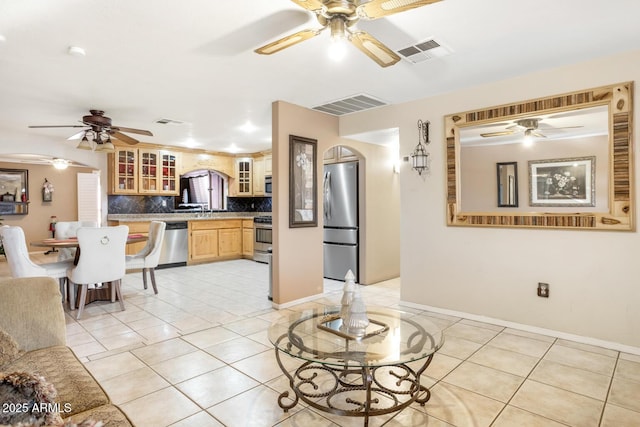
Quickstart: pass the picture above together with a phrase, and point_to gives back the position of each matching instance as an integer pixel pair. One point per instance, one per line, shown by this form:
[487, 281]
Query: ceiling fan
[528, 126]
[102, 129]
[340, 17]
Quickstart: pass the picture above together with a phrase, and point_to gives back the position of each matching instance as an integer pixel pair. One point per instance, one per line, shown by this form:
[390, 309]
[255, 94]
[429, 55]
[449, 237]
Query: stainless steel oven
[262, 238]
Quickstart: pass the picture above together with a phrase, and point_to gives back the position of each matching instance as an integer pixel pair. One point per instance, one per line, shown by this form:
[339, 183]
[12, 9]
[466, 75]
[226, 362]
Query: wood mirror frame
[618, 99]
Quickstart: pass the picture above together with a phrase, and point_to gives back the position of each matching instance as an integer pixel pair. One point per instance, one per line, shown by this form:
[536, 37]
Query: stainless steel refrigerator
[340, 189]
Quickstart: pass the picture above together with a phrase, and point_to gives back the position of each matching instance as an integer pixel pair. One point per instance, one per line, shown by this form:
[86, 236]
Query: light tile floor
[197, 354]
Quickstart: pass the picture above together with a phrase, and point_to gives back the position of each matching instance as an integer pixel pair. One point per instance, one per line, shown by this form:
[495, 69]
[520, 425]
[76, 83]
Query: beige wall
[64, 204]
[298, 255]
[493, 273]
[379, 212]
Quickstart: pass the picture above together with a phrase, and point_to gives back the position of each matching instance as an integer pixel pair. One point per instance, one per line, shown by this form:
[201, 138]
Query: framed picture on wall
[303, 203]
[562, 182]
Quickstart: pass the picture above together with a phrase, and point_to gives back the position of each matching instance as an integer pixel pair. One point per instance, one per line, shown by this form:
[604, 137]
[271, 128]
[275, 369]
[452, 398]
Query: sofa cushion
[32, 312]
[8, 348]
[77, 390]
[110, 415]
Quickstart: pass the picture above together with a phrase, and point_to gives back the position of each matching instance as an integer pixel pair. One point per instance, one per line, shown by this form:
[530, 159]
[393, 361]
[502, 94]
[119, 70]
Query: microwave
[267, 185]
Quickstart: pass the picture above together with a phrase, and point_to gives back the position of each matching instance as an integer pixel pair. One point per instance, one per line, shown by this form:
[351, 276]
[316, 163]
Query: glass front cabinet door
[149, 182]
[169, 173]
[125, 171]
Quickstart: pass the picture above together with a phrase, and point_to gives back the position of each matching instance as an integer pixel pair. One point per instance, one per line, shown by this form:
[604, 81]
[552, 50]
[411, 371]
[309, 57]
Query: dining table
[98, 294]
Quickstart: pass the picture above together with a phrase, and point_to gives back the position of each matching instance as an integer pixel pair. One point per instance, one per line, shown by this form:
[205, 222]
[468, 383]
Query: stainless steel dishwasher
[175, 245]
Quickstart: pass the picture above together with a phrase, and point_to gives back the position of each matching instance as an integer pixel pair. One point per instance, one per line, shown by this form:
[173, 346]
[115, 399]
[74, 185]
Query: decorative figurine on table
[347, 295]
[353, 310]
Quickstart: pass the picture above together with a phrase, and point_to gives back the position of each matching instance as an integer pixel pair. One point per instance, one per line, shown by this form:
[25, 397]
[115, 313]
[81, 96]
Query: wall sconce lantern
[420, 157]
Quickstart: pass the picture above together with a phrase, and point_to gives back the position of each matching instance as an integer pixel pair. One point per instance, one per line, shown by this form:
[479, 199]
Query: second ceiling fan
[340, 17]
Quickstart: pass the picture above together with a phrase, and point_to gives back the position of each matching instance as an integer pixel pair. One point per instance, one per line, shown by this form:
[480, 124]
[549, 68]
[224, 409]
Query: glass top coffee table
[375, 374]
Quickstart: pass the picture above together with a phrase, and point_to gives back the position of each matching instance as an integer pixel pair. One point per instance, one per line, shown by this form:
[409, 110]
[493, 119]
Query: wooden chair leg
[144, 277]
[112, 286]
[116, 286]
[152, 273]
[63, 282]
[72, 291]
[83, 298]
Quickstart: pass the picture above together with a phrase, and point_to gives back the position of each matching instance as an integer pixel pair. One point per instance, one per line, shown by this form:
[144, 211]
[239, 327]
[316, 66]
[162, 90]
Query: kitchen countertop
[184, 216]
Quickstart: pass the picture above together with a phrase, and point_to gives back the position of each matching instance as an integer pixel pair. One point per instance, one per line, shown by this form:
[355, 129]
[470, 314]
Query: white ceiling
[193, 61]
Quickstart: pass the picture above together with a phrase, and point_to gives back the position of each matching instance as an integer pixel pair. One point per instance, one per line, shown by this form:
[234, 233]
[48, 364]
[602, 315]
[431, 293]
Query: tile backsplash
[154, 204]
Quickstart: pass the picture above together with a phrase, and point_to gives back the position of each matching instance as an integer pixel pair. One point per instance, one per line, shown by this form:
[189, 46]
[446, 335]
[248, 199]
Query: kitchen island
[212, 236]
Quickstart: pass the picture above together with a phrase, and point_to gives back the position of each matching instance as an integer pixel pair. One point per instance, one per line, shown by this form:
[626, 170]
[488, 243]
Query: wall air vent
[350, 105]
[169, 122]
[423, 51]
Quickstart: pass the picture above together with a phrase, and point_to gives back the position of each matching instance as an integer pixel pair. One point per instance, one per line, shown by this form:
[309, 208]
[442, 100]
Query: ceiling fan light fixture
[84, 143]
[61, 164]
[107, 145]
[338, 45]
[527, 140]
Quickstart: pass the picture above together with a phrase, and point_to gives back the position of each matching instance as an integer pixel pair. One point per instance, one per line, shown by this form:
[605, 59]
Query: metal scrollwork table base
[376, 374]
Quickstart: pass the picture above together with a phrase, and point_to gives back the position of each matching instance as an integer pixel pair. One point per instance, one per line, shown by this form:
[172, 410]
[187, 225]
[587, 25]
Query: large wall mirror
[563, 161]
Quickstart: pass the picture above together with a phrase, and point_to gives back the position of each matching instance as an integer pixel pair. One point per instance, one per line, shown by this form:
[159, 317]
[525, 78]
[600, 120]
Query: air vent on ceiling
[350, 105]
[424, 51]
[169, 122]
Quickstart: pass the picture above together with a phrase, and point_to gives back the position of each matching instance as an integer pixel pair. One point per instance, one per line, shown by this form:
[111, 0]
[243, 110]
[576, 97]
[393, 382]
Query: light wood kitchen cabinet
[268, 168]
[247, 238]
[136, 227]
[211, 240]
[203, 245]
[244, 179]
[258, 176]
[197, 161]
[144, 171]
[339, 154]
[230, 242]
[148, 171]
[158, 172]
[124, 171]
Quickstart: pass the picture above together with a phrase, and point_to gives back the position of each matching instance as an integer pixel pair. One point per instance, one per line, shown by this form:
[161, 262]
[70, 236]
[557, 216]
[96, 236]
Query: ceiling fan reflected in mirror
[529, 127]
[98, 131]
[340, 17]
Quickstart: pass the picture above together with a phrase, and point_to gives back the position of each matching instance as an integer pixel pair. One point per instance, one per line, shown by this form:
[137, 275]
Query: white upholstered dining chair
[20, 263]
[147, 259]
[66, 230]
[102, 260]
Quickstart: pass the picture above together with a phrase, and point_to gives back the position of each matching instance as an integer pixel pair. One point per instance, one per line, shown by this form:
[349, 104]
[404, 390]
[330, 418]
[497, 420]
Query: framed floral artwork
[562, 182]
[303, 198]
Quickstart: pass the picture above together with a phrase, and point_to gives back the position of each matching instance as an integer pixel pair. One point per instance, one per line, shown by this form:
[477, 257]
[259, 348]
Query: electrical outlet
[543, 290]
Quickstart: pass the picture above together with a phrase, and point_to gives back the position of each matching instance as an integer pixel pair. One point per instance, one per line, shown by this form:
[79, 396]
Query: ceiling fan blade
[502, 133]
[374, 49]
[76, 135]
[131, 130]
[309, 4]
[122, 137]
[59, 126]
[538, 135]
[287, 41]
[379, 8]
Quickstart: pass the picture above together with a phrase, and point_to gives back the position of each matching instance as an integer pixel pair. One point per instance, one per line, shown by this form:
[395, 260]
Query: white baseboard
[296, 302]
[528, 328]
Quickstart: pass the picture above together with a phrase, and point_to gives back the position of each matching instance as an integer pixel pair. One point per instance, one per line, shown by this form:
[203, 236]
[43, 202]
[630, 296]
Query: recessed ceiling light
[233, 148]
[191, 143]
[248, 127]
[76, 51]
[2, 38]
